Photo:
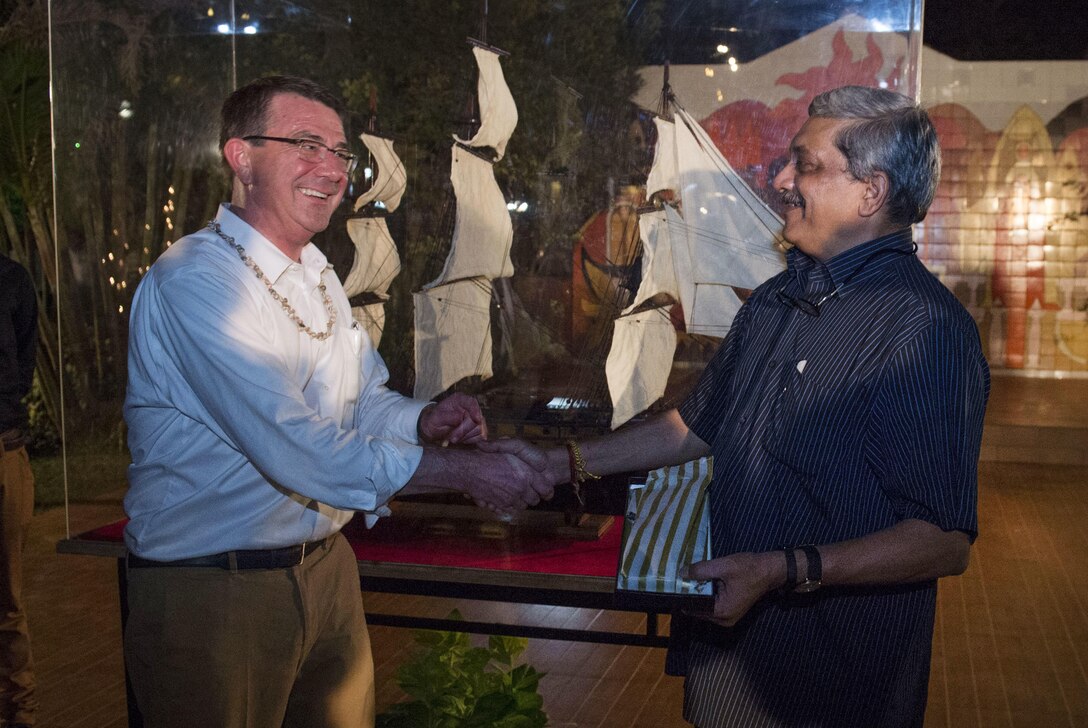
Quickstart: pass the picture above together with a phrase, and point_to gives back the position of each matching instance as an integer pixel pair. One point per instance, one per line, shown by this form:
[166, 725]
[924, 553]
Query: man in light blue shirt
[259, 422]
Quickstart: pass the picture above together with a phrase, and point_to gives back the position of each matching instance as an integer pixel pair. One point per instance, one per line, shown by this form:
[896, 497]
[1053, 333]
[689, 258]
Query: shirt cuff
[398, 463]
[371, 517]
[406, 426]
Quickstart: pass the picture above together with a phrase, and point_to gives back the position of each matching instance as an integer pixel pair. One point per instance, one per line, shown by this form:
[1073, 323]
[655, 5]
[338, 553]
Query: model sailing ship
[705, 234]
[453, 312]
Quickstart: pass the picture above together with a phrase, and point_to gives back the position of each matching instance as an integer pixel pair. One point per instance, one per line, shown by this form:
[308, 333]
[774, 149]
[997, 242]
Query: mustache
[791, 197]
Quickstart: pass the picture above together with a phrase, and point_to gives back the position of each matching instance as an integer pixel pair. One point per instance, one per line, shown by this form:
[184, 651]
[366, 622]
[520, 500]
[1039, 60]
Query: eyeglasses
[310, 150]
[810, 308]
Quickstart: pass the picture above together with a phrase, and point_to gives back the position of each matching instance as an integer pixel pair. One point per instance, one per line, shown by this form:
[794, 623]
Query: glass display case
[136, 88]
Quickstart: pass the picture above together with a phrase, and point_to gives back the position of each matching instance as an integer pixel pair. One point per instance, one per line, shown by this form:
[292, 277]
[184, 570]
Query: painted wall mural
[1009, 234]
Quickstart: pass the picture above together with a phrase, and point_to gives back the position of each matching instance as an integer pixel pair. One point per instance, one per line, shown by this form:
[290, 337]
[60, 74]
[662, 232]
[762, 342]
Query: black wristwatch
[791, 571]
[812, 580]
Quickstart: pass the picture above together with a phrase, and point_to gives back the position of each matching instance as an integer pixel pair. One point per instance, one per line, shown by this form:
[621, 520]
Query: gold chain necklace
[291, 313]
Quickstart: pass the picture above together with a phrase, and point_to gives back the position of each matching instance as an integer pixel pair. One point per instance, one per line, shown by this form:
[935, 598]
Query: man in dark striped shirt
[844, 413]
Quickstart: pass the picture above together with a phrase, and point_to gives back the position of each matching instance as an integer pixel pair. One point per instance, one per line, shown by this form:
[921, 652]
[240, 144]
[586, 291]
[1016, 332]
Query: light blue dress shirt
[246, 433]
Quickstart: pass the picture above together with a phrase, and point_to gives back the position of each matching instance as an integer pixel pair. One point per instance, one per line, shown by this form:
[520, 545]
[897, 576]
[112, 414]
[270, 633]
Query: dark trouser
[257, 648]
[17, 701]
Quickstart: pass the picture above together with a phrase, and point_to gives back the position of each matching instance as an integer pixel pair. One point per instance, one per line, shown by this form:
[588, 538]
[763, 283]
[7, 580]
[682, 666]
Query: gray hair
[892, 135]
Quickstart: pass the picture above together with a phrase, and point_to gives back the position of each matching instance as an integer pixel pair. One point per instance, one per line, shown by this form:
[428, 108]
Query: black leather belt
[283, 558]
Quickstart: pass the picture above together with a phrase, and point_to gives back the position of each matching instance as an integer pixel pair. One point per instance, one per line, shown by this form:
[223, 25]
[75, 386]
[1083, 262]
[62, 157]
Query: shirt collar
[270, 259]
[846, 263]
[809, 274]
[832, 273]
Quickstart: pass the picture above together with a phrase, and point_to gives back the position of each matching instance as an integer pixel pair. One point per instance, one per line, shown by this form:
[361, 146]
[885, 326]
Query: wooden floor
[1010, 646]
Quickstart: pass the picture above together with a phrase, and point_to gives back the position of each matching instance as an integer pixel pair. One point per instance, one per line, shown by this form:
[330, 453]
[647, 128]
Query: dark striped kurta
[826, 428]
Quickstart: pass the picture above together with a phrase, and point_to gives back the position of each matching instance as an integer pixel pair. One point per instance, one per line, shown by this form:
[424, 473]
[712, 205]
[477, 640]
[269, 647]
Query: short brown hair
[245, 111]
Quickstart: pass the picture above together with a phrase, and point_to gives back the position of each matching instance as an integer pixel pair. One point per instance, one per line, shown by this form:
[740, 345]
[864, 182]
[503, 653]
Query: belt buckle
[302, 554]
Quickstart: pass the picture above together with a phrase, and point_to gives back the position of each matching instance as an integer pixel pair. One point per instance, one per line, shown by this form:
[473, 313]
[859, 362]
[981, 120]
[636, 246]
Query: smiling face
[287, 199]
[826, 209]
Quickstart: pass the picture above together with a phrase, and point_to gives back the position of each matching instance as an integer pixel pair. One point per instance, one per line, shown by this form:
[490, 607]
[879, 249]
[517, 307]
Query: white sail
[453, 335]
[731, 232]
[376, 262]
[663, 173]
[639, 362]
[372, 318]
[709, 303]
[453, 319]
[643, 343]
[482, 233]
[375, 266]
[390, 178]
[658, 269]
[498, 112]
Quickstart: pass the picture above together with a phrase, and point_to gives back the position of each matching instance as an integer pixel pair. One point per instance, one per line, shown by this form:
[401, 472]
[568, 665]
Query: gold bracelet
[578, 472]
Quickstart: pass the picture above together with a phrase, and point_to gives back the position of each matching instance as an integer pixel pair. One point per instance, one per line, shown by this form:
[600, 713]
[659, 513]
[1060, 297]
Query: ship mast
[666, 93]
[453, 312]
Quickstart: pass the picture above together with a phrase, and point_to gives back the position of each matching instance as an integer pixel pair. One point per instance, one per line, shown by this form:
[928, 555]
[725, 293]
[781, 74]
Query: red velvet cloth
[391, 542]
[110, 532]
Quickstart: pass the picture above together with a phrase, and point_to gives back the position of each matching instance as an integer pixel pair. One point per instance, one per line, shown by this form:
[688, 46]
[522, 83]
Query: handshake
[504, 476]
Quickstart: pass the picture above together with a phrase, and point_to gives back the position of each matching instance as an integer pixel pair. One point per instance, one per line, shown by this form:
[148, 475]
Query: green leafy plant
[456, 685]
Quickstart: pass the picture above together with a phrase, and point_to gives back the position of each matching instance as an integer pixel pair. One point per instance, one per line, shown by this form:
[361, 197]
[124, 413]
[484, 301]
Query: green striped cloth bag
[666, 528]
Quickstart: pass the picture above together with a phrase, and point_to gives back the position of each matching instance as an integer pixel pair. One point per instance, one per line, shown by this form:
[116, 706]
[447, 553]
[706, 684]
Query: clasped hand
[456, 420]
[504, 476]
[516, 476]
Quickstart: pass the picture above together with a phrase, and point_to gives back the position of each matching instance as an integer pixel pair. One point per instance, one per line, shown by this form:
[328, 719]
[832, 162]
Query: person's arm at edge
[909, 552]
[25, 322]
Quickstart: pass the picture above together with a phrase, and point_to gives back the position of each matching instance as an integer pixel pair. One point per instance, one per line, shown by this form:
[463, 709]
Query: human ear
[237, 154]
[875, 195]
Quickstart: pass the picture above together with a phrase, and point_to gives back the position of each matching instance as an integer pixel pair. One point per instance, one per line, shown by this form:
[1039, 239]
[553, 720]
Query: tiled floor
[1011, 643]
[1010, 646]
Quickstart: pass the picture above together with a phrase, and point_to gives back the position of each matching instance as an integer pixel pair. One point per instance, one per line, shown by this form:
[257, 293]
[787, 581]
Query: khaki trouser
[253, 648]
[17, 701]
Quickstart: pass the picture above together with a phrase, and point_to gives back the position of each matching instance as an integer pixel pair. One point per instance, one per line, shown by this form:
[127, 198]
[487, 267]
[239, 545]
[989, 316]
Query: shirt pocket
[816, 420]
[337, 375]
